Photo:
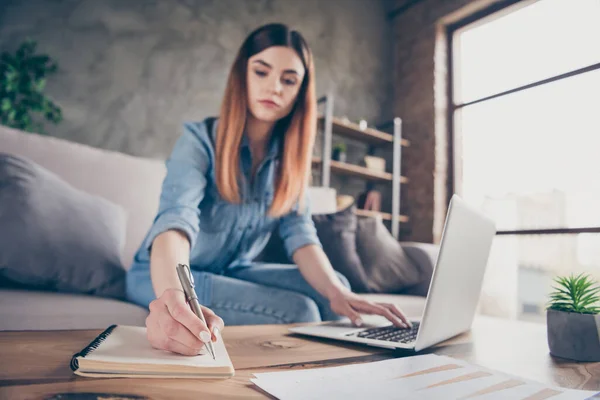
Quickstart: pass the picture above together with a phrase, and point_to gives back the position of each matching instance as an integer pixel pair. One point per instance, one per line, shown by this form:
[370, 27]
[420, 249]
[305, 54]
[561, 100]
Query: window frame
[482, 16]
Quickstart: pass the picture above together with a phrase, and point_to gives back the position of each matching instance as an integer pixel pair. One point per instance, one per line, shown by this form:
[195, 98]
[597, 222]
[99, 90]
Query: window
[525, 127]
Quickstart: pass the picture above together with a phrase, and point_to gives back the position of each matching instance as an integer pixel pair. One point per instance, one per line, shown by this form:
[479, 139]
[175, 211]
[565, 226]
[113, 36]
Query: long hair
[298, 128]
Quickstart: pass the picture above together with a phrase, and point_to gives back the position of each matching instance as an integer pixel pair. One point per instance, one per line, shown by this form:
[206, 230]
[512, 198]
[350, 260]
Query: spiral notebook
[124, 351]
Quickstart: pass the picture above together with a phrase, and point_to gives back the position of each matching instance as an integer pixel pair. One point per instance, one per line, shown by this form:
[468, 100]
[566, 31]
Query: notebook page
[129, 344]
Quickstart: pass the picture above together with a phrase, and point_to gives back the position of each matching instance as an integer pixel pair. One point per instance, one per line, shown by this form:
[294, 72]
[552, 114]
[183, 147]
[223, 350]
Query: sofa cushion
[35, 310]
[56, 237]
[386, 265]
[363, 250]
[425, 256]
[134, 183]
[337, 233]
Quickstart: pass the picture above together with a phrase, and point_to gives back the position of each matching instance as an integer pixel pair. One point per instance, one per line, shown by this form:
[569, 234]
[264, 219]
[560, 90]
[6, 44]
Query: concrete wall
[132, 71]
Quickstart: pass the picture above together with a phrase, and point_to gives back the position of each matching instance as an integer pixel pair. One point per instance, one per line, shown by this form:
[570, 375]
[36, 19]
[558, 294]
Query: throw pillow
[337, 234]
[56, 237]
[387, 266]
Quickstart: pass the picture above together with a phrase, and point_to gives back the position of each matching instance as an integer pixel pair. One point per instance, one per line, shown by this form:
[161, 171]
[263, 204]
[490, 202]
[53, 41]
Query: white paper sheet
[387, 379]
[454, 390]
[574, 395]
[351, 389]
[379, 369]
[294, 381]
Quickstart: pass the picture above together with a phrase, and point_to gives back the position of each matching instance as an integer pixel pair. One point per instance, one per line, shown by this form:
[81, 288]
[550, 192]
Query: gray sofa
[134, 183]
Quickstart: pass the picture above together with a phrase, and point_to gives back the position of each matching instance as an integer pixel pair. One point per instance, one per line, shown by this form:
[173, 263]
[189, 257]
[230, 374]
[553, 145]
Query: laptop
[453, 292]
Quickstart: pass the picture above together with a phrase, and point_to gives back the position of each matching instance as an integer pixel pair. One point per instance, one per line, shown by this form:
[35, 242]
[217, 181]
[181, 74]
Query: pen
[187, 282]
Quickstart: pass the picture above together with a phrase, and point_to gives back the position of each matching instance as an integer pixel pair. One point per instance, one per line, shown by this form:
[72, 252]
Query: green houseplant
[573, 318]
[339, 152]
[23, 104]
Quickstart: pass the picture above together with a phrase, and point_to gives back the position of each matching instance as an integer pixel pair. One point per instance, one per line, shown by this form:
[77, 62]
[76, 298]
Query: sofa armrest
[424, 256]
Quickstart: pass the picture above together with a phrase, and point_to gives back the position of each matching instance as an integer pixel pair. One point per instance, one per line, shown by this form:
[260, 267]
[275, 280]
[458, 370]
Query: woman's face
[274, 78]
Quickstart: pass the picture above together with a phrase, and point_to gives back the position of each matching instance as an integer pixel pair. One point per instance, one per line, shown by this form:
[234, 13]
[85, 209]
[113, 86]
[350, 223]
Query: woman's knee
[301, 308]
[296, 308]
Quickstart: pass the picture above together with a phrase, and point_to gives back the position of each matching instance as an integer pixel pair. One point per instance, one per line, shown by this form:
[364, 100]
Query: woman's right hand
[173, 326]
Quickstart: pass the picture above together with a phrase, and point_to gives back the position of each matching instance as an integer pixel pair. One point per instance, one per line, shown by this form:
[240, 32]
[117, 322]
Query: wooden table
[36, 364]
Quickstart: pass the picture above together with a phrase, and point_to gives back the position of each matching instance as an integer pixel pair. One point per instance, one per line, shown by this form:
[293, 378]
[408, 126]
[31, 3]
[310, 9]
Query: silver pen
[187, 282]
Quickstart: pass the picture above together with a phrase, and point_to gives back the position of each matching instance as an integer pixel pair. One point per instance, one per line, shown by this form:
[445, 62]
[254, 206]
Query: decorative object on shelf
[339, 152]
[369, 200]
[343, 201]
[376, 136]
[22, 83]
[375, 163]
[573, 318]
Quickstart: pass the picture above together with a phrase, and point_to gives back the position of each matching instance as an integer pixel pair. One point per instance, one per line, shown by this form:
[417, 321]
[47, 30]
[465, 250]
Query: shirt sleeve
[184, 185]
[297, 228]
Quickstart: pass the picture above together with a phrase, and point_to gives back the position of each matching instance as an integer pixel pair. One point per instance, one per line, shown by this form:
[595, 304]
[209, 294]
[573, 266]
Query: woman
[229, 182]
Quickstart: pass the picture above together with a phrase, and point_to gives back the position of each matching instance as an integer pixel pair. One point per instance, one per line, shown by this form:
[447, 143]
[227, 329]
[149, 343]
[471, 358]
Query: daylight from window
[531, 159]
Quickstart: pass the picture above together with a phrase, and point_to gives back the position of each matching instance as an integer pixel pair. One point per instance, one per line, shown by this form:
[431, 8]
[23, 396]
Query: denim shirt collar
[271, 159]
[273, 146]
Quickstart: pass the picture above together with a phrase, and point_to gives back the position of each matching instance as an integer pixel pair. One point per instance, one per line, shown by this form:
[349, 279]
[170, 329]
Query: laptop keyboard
[391, 333]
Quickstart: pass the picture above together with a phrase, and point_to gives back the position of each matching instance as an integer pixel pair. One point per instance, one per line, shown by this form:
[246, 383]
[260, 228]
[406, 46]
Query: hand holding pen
[173, 326]
[187, 282]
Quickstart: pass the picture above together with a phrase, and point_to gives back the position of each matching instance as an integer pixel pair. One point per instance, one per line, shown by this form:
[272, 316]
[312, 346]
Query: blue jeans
[257, 294]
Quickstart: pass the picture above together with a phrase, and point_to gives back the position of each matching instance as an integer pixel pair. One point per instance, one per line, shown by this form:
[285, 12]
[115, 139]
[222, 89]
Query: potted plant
[339, 152]
[572, 318]
[22, 84]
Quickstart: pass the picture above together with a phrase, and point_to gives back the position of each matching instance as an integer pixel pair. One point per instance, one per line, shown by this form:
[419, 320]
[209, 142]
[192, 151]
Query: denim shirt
[223, 235]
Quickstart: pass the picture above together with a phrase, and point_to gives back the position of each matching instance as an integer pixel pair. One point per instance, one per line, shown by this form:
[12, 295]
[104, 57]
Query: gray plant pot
[338, 156]
[573, 335]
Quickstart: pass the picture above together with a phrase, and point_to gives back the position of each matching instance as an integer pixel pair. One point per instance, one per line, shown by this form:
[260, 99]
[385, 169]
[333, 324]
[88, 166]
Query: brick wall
[420, 99]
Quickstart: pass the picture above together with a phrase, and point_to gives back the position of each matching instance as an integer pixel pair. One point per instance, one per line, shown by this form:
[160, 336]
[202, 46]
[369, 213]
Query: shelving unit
[359, 171]
[385, 216]
[329, 125]
[352, 130]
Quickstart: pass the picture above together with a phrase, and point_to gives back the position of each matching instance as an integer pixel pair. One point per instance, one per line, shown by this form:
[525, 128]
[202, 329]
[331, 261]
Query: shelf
[352, 130]
[384, 216]
[357, 170]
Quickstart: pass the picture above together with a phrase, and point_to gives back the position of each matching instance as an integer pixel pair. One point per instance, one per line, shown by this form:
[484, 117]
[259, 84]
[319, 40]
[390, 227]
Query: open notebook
[124, 351]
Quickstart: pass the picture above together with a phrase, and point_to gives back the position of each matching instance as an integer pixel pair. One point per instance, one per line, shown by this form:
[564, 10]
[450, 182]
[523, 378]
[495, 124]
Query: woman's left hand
[349, 304]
